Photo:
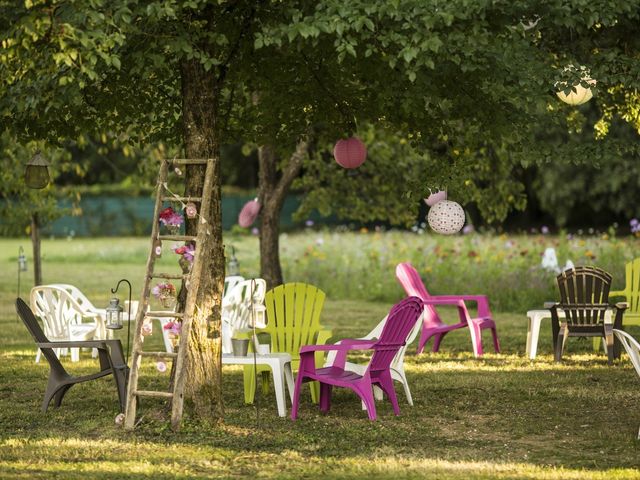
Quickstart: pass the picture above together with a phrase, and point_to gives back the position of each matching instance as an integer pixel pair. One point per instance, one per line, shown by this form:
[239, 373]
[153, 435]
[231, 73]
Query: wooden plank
[190, 305]
[177, 238]
[152, 393]
[163, 314]
[174, 276]
[177, 198]
[190, 161]
[159, 354]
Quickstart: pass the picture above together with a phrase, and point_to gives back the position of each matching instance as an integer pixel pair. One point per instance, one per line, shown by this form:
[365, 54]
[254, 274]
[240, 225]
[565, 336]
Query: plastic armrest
[621, 305]
[336, 346]
[618, 293]
[443, 301]
[74, 344]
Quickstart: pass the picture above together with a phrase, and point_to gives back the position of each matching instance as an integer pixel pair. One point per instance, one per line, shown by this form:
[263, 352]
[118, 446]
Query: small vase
[168, 301]
[173, 229]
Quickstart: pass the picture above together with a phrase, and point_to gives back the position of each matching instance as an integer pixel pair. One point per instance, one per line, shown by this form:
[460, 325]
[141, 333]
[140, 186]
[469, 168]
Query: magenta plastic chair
[400, 321]
[433, 326]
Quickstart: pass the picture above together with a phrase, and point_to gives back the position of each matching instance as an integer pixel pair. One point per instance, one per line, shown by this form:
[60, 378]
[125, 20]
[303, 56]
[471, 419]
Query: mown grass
[499, 417]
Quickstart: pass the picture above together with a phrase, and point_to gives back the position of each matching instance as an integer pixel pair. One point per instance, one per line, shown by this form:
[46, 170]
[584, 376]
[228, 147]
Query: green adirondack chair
[293, 320]
[631, 294]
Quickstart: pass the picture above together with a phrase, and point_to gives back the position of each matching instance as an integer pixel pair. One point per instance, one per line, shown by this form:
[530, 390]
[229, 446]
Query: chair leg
[608, 335]
[402, 378]
[59, 395]
[496, 342]
[560, 344]
[365, 392]
[249, 384]
[437, 339]
[476, 339]
[315, 391]
[296, 396]
[386, 382]
[325, 397]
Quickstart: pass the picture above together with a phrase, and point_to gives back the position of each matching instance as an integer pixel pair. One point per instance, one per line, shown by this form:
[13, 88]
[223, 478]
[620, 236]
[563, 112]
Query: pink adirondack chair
[401, 320]
[433, 326]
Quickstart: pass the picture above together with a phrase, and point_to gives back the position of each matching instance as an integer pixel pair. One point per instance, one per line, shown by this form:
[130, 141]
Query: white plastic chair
[230, 282]
[62, 317]
[237, 308]
[632, 347]
[85, 304]
[397, 364]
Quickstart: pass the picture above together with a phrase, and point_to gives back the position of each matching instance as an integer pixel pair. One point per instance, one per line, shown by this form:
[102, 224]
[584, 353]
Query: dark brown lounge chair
[60, 381]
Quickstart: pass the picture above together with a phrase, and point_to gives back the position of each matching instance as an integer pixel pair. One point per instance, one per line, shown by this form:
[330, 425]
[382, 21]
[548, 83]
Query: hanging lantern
[446, 217]
[233, 268]
[191, 210]
[350, 152]
[249, 213]
[36, 173]
[578, 94]
[22, 260]
[434, 198]
[114, 314]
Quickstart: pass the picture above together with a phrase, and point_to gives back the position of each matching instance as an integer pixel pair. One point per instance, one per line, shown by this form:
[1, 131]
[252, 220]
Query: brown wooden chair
[584, 298]
[60, 381]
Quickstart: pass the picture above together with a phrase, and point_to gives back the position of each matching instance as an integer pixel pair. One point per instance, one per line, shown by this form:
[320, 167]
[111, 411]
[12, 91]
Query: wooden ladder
[176, 395]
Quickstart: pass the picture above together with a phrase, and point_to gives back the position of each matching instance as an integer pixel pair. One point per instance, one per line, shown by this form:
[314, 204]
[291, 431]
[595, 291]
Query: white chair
[230, 282]
[397, 364]
[62, 318]
[85, 304]
[632, 347]
[237, 307]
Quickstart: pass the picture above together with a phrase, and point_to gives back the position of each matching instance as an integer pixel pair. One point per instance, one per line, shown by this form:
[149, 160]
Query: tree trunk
[199, 109]
[35, 241]
[273, 192]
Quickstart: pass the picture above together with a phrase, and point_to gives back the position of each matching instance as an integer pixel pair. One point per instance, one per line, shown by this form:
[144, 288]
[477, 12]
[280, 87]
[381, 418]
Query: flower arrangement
[173, 328]
[170, 218]
[186, 252]
[165, 292]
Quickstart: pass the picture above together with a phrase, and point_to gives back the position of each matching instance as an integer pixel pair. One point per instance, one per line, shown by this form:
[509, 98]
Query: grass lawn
[499, 417]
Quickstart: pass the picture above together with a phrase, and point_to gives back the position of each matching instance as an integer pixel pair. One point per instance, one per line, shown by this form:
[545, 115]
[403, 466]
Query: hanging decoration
[434, 198]
[191, 210]
[578, 94]
[249, 213]
[446, 217]
[350, 152]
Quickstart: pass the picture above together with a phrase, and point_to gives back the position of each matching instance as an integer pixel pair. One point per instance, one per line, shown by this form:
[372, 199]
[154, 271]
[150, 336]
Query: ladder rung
[163, 314]
[190, 161]
[159, 354]
[174, 276]
[177, 238]
[151, 393]
[182, 199]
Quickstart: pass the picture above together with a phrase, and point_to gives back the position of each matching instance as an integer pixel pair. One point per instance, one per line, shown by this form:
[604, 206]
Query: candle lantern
[233, 268]
[350, 152]
[114, 314]
[36, 173]
[22, 260]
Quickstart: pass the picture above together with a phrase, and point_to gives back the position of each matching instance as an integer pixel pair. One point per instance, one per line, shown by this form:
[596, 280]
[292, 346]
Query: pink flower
[187, 251]
[170, 217]
[173, 327]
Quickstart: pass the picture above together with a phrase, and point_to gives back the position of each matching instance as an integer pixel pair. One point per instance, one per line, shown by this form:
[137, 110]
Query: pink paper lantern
[249, 213]
[350, 152]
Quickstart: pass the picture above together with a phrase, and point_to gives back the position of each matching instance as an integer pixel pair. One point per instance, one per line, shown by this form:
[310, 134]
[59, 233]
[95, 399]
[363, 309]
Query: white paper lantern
[580, 96]
[446, 217]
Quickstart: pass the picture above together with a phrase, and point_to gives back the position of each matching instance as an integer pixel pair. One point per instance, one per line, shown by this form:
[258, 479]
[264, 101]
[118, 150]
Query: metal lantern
[350, 152]
[234, 266]
[249, 213]
[36, 173]
[22, 260]
[114, 314]
[446, 217]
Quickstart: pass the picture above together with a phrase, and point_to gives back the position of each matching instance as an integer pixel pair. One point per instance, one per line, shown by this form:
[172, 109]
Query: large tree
[453, 75]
